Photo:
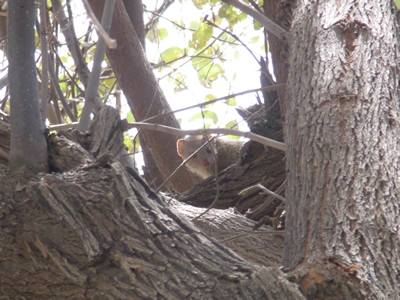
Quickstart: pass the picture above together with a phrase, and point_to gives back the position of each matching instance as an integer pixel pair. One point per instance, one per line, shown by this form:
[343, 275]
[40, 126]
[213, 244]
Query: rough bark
[342, 140]
[256, 165]
[28, 144]
[257, 247]
[134, 10]
[97, 231]
[281, 13]
[144, 95]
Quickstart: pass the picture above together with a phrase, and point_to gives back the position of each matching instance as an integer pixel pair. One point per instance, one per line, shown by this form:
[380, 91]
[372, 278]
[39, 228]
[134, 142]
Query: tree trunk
[96, 231]
[342, 159]
[28, 144]
[144, 96]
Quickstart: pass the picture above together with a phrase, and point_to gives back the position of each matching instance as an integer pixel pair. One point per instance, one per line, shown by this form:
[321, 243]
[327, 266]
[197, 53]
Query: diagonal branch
[271, 26]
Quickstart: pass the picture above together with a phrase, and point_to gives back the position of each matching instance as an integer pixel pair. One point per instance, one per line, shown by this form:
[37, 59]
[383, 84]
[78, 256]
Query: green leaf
[171, 54]
[129, 117]
[201, 36]
[255, 40]
[109, 82]
[231, 101]
[232, 124]
[209, 74]
[201, 62]
[154, 36]
[256, 25]
[208, 114]
[64, 59]
[231, 14]
[210, 97]
[194, 25]
[199, 3]
[178, 80]
[128, 143]
[397, 3]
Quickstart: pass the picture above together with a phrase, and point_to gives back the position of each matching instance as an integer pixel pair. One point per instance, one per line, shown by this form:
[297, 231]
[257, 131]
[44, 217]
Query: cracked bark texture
[93, 230]
[342, 145]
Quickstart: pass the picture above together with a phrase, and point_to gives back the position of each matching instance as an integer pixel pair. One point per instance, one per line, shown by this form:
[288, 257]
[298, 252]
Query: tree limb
[271, 26]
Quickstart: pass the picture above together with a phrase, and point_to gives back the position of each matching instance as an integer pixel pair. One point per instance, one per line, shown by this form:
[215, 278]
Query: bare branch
[111, 43]
[94, 77]
[44, 93]
[271, 26]
[264, 189]
[263, 89]
[175, 131]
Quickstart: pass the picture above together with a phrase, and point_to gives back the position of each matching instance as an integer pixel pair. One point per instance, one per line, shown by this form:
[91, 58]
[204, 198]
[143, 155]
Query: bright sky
[241, 70]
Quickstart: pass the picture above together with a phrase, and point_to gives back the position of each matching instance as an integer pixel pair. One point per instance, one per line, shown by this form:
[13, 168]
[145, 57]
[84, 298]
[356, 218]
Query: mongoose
[203, 163]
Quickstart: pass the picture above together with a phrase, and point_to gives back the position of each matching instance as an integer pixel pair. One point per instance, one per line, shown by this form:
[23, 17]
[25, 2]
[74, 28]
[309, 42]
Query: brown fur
[203, 163]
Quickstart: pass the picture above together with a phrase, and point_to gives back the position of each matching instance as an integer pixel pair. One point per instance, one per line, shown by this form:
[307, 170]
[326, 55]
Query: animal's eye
[208, 150]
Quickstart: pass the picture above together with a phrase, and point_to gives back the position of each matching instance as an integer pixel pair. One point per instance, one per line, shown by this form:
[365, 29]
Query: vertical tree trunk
[144, 95]
[28, 143]
[342, 141]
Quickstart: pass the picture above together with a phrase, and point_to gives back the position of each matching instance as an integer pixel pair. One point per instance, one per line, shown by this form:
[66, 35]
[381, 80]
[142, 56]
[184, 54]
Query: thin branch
[72, 42]
[179, 132]
[260, 209]
[159, 12]
[44, 93]
[93, 84]
[275, 232]
[263, 89]
[59, 92]
[111, 43]
[182, 164]
[224, 131]
[189, 29]
[271, 26]
[72, 78]
[264, 189]
[235, 37]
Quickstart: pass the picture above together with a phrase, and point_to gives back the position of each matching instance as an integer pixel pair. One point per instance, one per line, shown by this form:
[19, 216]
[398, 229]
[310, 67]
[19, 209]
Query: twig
[271, 26]
[264, 189]
[182, 164]
[216, 182]
[275, 232]
[224, 131]
[260, 209]
[44, 93]
[54, 81]
[159, 12]
[235, 37]
[263, 89]
[93, 84]
[111, 43]
[162, 128]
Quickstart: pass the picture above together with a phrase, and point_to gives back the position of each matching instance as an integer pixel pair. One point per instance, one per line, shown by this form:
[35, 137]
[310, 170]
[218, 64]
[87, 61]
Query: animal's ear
[214, 141]
[179, 146]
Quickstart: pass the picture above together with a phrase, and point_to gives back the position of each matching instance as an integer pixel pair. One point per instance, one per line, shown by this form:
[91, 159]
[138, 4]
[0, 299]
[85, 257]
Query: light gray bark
[28, 143]
[93, 230]
[342, 143]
